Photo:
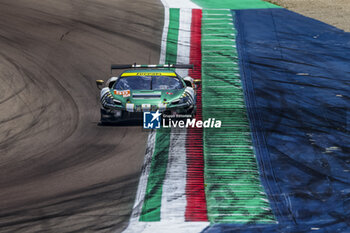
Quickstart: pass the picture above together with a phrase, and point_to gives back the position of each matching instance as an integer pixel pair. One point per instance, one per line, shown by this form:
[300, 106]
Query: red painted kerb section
[196, 209]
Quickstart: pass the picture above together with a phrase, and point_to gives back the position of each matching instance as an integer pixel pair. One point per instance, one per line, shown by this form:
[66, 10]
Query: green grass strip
[153, 197]
[233, 190]
[233, 4]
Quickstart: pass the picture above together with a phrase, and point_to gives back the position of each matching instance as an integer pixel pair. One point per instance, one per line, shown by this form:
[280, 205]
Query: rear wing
[160, 66]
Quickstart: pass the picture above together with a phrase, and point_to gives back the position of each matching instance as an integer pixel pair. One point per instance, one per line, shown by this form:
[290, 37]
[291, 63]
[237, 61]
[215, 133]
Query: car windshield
[156, 83]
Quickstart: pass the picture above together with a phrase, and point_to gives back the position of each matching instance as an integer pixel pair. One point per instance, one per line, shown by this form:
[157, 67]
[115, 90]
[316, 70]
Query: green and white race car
[147, 88]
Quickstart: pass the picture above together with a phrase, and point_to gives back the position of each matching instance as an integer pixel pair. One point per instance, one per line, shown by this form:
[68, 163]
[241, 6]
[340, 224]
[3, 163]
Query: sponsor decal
[125, 93]
[148, 74]
[151, 120]
[169, 93]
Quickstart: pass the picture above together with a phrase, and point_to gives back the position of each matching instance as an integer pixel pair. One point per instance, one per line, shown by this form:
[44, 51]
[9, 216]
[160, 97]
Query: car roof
[149, 72]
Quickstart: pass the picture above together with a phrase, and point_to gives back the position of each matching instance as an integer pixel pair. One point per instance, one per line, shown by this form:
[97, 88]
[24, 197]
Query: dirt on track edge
[335, 12]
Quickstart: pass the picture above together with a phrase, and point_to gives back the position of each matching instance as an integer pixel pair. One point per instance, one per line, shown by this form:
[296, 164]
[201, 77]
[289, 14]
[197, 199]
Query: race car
[145, 88]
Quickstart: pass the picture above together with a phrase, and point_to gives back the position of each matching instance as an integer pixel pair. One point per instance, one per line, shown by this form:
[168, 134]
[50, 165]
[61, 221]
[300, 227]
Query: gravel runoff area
[333, 12]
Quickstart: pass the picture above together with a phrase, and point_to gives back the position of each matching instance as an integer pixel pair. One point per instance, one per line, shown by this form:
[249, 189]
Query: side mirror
[99, 84]
[197, 81]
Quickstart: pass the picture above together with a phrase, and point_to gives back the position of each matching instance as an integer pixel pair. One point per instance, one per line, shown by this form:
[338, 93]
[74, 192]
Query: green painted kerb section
[233, 190]
[153, 196]
[173, 36]
[234, 4]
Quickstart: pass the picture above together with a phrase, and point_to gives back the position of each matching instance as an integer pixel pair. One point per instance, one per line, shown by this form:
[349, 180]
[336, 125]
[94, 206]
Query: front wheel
[192, 111]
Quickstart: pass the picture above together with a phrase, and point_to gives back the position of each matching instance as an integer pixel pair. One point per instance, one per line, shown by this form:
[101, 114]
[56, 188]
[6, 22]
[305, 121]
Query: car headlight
[109, 102]
[183, 99]
[117, 102]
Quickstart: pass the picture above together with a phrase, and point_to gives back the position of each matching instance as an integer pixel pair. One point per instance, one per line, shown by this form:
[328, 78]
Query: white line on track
[174, 202]
[174, 187]
[164, 37]
[184, 40]
[141, 190]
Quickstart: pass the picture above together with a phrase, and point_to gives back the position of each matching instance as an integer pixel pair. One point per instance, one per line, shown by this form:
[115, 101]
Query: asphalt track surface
[59, 170]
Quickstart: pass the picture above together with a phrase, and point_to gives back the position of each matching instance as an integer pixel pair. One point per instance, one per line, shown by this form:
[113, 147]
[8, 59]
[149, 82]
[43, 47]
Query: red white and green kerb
[195, 177]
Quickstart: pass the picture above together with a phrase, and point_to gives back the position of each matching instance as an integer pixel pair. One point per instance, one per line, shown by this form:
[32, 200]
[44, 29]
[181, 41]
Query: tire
[193, 111]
